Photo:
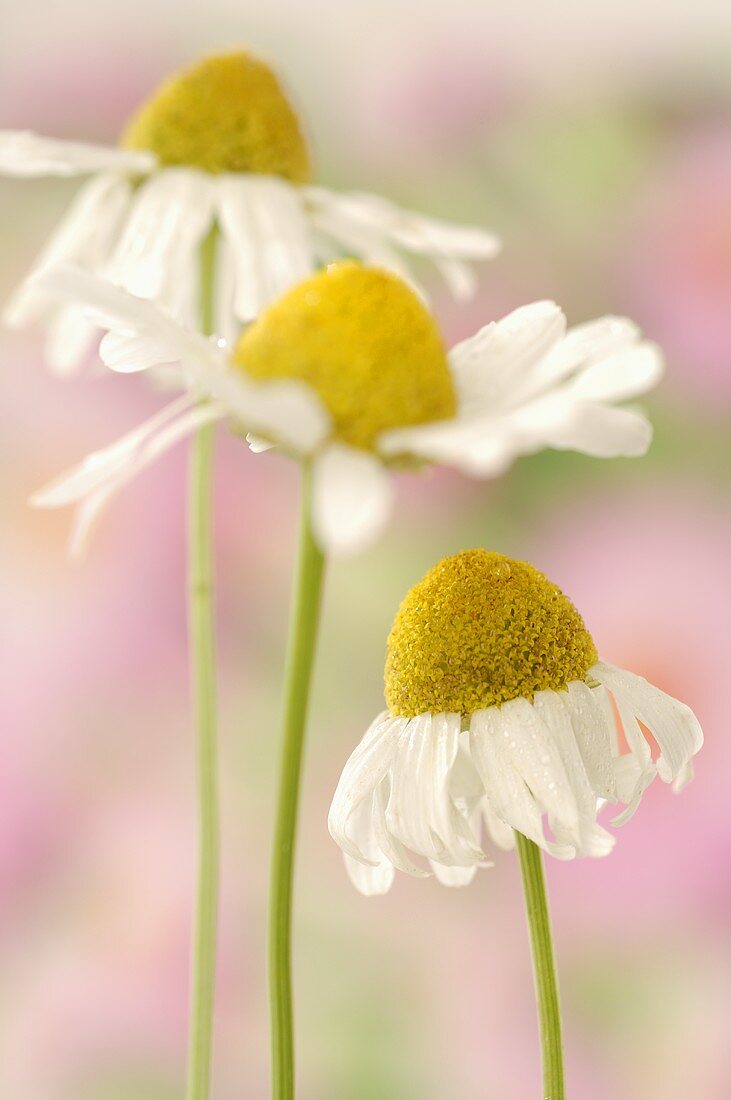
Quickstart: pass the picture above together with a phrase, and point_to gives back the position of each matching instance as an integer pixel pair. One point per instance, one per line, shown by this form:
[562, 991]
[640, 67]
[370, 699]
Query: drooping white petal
[101, 466]
[357, 238]
[376, 876]
[263, 220]
[500, 833]
[459, 276]
[158, 253]
[389, 844]
[508, 796]
[591, 838]
[673, 724]
[364, 770]
[421, 810]
[141, 335]
[529, 746]
[101, 475]
[453, 876]
[590, 723]
[493, 368]
[352, 498]
[25, 154]
[371, 226]
[84, 237]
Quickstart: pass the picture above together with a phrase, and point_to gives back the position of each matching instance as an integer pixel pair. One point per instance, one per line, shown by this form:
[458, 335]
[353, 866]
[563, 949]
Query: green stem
[544, 966]
[203, 671]
[304, 619]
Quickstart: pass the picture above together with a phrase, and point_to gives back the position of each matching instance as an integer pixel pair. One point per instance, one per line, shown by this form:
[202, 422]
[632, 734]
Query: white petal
[70, 337]
[352, 498]
[684, 776]
[482, 447]
[84, 237]
[290, 412]
[453, 876]
[591, 838]
[158, 253]
[376, 876]
[493, 368]
[142, 335]
[590, 723]
[263, 220]
[364, 770]
[405, 228]
[509, 798]
[582, 346]
[499, 832]
[389, 844]
[360, 239]
[95, 484]
[673, 725]
[25, 154]
[529, 746]
[460, 278]
[104, 465]
[619, 377]
[599, 430]
[136, 323]
[421, 811]
[372, 228]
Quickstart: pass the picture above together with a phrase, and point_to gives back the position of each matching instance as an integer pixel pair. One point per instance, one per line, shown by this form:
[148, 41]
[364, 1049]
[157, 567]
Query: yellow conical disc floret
[226, 114]
[366, 344]
[478, 630]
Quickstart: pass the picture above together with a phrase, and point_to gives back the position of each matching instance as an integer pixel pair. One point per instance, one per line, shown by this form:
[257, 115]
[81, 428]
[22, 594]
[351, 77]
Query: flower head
[500, 712]
[478, 631]
[217, 145]
[366, 344]
[226, 114]
[363, 383]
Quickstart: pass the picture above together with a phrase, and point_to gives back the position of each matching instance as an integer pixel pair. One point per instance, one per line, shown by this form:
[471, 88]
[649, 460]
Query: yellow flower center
[364, 341]
[226, 114]
[478, 630]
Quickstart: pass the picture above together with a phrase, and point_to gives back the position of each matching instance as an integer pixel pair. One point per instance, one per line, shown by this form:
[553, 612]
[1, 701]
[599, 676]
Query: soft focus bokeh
[596, 139]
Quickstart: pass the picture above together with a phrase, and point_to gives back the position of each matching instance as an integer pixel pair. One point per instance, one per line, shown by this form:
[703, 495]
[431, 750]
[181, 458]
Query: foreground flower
[218, 144]
[383, 390]
[499, 711]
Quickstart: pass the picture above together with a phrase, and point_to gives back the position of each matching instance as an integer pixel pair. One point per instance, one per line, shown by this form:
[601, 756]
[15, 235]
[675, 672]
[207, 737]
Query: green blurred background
[596, 138]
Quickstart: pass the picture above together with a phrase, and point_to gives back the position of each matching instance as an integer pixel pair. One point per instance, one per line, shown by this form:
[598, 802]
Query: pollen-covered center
[366, 344]
[226, 114]
[478, 630]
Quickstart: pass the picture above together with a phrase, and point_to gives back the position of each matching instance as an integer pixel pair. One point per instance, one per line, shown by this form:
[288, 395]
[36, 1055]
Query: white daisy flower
[219, 144]
[369, 354]
[500, 713]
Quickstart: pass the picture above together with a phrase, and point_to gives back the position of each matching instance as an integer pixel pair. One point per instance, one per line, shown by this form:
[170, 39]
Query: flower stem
[304, 619]
[203, 671]
[544, 966]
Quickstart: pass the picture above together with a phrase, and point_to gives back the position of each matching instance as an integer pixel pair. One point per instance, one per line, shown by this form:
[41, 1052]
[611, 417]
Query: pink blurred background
[597, 140]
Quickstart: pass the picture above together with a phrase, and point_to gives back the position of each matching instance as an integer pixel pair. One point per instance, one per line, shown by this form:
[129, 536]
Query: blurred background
[596, 138]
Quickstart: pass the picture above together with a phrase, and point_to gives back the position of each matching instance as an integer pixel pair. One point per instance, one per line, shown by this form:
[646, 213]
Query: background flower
[570, 159]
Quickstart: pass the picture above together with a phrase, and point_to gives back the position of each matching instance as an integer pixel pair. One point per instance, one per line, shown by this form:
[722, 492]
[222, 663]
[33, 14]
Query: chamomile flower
[500, 714]
[217, 144]
[360, 343]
